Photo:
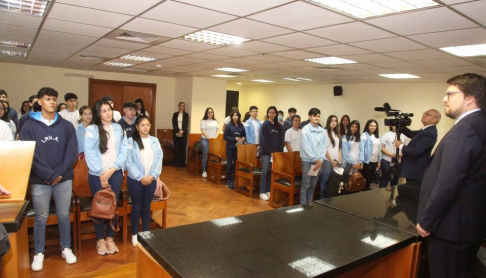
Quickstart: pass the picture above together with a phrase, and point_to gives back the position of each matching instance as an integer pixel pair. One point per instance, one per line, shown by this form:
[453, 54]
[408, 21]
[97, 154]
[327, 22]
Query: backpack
[356, 182]
[104, 207]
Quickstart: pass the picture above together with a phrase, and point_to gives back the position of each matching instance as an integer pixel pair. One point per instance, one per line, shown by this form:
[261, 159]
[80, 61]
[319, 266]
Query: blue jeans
[141, 201]
[308, 183]
[115, 182]
[205, 151]
[326, 173]
[41, 198]
[266, 174]
[231, 155]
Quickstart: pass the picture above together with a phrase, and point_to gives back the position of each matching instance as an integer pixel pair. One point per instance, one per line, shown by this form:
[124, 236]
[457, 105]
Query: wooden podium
[15, 165]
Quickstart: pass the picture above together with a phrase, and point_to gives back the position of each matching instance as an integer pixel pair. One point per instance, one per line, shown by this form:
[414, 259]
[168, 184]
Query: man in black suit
[452, 204]
[417, 152]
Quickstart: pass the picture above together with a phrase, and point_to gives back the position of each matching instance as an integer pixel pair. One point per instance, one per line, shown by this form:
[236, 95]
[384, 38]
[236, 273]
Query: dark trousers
[231, 155]
[115, 182]
[180, 144]
[346, 171]
[369, 170]
[141, 200]
[449, 259]
[386, 174]
[414, 183]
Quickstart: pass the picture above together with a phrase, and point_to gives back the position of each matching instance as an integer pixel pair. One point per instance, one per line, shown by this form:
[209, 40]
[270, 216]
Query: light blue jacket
[346, 152]
[92, 150]
[366, 148]
[134, 162]
[80, 131]
[250, 130]
[313, 141]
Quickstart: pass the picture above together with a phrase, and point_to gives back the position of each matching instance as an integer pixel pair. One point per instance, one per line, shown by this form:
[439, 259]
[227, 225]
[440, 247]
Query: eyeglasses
[449, 94]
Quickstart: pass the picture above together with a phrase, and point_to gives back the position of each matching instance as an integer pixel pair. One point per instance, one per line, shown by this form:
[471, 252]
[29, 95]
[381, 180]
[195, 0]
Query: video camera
[401, 119]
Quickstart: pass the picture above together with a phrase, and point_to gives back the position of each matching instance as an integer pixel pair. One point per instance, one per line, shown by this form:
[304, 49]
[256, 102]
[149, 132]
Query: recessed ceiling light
[138, 70]
[215, 38]
[239, 83]
[262, 80]
[331, 61]
[303, 79]
[292, 79]
[399, 76]
[137, 37]
[466, 50]
[223, 75]
[30, 7]
[231, 69]
[138, 58]
[371, 8]
[87, 57]
[116, 64]
[13, 53]
[14, 44]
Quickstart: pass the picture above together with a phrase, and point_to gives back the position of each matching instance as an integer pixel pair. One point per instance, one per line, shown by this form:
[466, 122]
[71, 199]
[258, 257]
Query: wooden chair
[286, 178]
[194, 157]
[247, 168]
[166, 140]
[217, 160]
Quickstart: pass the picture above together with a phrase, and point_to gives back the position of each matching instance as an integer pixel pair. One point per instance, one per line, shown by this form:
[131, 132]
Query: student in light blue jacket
[370, 151]
[351, 145]
[105, 150]
[253, 127]
[86, 118]
[144, 165]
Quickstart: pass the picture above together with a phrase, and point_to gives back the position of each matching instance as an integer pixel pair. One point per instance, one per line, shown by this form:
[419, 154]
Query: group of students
[109, 148]
[321, 148]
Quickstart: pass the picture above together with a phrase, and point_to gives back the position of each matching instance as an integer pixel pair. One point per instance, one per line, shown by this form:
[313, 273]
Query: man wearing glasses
[452, 207]
[417, 153]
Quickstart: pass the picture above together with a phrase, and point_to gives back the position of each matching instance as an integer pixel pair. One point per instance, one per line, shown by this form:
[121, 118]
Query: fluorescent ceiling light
[226, 221]
[239, 83]
[30, 7]
[380, 241]
[298, 79]
[371, 8]
[292, 79]
[466, 50]
[14, 44]
[294, 210]
[87, 57]
[13, 53]
[138, 70]
[331, 61]
[116, 64]
[262, 80]
[311, 266]
[231, 69]
[399, 76]
[215, 38]
[303, 79]
[138, 58]
[223, 75]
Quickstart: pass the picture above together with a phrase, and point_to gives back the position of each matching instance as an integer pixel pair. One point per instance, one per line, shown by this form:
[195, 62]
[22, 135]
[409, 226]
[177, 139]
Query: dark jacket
[129, 129]
[24, 118]
[287, 124]
[417, 153]
[231, 132]
[185, 123]
[452, 203]
[56, 148]
[12, 115]
[271, 138]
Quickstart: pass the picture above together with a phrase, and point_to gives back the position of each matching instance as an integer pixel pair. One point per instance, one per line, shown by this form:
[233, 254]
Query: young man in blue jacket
[52, 173]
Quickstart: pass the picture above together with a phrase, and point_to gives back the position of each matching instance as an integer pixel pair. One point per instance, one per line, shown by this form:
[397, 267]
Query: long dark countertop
[321, 239]
[12, 215]
[376, 205]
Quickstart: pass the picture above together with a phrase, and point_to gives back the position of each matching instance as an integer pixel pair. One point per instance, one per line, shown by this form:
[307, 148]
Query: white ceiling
[283, 33]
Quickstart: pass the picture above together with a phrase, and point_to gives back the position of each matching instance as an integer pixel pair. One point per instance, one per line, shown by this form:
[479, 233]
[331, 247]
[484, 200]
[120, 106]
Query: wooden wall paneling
[98, 91]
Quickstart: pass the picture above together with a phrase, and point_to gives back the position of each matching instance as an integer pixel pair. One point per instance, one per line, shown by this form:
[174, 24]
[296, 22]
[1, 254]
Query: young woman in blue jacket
[105, 150]
[233, 133]
[370, 151]
[351, 145]
[144, 165]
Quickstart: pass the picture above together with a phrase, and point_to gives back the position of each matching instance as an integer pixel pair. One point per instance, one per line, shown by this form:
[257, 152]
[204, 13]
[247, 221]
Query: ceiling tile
[419, 55]
[232, 52]
[425, 21]
[108, 49]
[474, 10]
[357, 66]
[337, 50]
[97, 54]
[397, 65]
[207, 56]
[237, 7]
[261, 47]
[444, 63]
[367, 58]
[293, 64]
[149, 26]
[46, 34]
[297, 54]
[117, 60]
[450, 2]
[300, 16]
[117, 6]
[463, 69]
[87, 16]
[299, 40]
[18, 30]
[351, 32]
[20, 19]
[188, 45]
[165, 50]
[265, 58]
[241, 61]
[150, 54]
[54, 43]
[16, 38]
[250, 29]
[188, 15]
[389, 45]
[452, 38]
[120, 44]
[75, 28]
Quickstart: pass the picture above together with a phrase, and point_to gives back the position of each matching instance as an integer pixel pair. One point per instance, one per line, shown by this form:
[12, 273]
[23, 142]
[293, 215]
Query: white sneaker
[264, 196]
[134, 240]
[204, 175]
[38, 262]
[67, 253]
[268, 194]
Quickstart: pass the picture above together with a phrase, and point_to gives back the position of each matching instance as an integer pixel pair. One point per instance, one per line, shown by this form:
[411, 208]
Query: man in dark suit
[417, 152]
[452, 204]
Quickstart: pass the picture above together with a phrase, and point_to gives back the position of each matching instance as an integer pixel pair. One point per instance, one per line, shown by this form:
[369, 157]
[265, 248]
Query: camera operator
[417, 153]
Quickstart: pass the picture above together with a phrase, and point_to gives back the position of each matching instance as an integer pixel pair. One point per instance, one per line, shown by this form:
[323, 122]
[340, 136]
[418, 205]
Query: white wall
[358, 100]
[208, 92]
[21, 81]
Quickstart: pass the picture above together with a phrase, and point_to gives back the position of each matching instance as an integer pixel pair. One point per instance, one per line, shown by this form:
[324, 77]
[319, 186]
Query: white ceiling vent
[137, 37]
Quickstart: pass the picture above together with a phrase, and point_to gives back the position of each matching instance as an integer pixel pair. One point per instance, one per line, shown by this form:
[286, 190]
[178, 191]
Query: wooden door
[98, 91]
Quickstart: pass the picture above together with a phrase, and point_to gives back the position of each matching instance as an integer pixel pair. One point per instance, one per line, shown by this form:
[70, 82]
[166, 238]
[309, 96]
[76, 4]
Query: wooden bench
[217, 160]
[286, 179]
[166, 140]
[194, 157]
[247, 170]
